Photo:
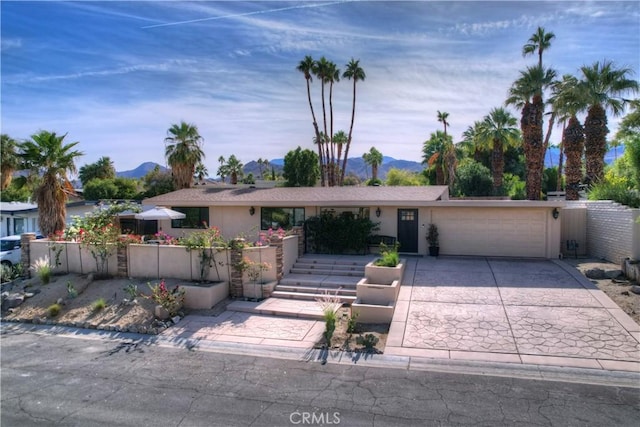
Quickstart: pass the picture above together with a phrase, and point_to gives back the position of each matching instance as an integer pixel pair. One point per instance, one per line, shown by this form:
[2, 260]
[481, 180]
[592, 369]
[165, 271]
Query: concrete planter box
[258, 290]
[205, 296]
[373, 293]
[373, 313]
[384, 275]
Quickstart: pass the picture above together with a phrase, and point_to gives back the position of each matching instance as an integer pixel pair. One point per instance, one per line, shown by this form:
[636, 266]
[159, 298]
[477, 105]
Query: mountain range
[355, 165]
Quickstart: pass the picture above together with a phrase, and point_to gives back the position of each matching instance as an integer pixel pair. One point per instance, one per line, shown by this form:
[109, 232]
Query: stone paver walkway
[520, 311]
[249, 328]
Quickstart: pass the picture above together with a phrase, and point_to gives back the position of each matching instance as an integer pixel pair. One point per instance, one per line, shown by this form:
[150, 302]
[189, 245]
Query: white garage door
[492, 232]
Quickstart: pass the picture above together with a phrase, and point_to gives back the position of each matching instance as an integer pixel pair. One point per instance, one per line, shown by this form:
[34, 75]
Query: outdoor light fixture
[252, 210]
[555, 213]
[378, 212]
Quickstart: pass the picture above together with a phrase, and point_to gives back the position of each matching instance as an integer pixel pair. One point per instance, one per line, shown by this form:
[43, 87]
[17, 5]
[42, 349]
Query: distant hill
[355, 166]
[140, 171]
[553, 155]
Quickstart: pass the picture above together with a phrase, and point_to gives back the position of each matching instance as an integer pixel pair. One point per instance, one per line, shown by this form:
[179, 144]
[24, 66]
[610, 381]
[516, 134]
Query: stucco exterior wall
[74, 258]
[574, 227]
[289, 253]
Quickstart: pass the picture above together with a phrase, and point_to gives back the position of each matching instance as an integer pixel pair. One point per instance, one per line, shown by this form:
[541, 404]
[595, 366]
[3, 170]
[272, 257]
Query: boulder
[12, 300]
[595, 273]
[635, 289]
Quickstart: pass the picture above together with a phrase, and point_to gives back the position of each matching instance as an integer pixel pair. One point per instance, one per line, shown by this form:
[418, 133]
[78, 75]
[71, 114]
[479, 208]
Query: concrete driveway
[508, 310]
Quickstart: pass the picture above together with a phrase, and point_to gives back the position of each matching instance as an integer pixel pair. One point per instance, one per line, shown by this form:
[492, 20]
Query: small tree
[208, 243]
[301, 168]
[99, 233]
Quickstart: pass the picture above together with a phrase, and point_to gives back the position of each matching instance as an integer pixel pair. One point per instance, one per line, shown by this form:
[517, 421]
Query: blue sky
[116, 75]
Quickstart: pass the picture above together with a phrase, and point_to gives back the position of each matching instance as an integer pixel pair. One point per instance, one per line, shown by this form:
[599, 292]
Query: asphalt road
[82, 381]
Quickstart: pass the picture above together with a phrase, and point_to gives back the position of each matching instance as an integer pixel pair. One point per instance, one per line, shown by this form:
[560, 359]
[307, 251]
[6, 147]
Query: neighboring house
[466, 227]
[19, 217]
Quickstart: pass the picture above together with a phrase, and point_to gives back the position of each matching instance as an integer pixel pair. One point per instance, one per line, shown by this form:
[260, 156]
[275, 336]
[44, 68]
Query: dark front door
[408, 230]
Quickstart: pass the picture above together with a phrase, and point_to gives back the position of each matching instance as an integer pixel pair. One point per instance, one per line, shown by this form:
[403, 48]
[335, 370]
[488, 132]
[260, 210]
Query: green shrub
[616, 189]
[514, 187]
[99, 304]
[336, 234]
[369, 341]
[473, 179]
[54, 309]
[388, 256]
[550, 179]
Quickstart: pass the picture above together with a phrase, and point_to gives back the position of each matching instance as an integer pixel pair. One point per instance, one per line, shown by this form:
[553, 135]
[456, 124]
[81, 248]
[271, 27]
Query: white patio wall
[74, 258]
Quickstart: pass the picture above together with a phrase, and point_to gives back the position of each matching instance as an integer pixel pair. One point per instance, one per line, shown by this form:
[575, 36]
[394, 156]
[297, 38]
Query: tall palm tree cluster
[333, 148]
[599, 89]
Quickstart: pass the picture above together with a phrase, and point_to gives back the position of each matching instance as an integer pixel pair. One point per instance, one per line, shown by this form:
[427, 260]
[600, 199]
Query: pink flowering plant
[253, 268]
[170, 299]
[165, 239]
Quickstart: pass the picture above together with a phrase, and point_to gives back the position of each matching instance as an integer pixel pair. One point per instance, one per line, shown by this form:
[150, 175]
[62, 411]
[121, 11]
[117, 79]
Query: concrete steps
[312, 278]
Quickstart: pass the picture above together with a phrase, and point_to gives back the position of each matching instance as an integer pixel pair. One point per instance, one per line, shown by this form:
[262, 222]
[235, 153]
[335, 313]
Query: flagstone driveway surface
[527, 311]
[538, 312]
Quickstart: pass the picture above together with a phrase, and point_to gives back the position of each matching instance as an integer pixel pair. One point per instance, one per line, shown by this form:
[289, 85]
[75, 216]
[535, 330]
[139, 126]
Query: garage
[493, 231]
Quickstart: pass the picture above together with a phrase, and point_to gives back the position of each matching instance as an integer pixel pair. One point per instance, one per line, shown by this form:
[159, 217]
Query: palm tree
[497, 132]
[567, 101]
[374, 159]
[471, 143]
[222, 172]
[183, 152]
[538, 42]
[434, 152]
[526, 93]
[603, 85]
[201, 173]
[339, 139]
[356, 73]
[234, 169]
[332, 76]
[442, 118]
[306, 67]
[9, 159]
[45, 155]
[102, 169]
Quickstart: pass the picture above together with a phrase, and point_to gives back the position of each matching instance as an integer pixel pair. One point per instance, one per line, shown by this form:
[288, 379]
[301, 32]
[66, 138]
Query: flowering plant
[252, 268]
[171, 300]
[264, 237]
[165, 239]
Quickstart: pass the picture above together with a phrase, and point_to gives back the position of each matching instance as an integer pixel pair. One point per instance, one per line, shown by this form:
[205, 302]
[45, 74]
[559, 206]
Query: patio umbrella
[160, 213]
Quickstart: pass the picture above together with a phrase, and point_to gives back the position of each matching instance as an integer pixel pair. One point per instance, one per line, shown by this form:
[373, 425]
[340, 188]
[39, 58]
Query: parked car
[10, 252]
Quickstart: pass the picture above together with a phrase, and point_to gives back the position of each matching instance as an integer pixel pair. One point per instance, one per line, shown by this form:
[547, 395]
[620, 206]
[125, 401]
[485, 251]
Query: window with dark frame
[196, 217]
[284, 218]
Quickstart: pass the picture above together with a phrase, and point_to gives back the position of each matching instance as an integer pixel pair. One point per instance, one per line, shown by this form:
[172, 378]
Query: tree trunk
[346, 150]
[317, 131]
[497, 166]
[531, 125]
[560, 161]
[573, 137]
[595, 143]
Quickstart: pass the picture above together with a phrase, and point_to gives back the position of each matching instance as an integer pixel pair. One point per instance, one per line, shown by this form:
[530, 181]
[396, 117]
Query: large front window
[196, 217]
[281, 218]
